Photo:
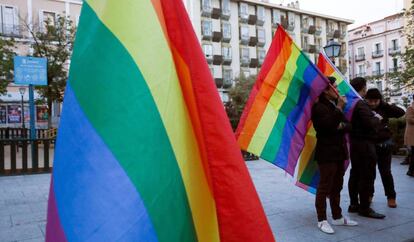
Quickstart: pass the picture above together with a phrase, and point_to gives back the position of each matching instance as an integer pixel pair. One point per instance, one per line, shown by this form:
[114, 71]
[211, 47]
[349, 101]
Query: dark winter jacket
[330, 144]
[365, 125]
[387, 111]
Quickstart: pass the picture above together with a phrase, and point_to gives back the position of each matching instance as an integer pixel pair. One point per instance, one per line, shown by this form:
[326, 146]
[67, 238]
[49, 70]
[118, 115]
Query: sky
[361, 11]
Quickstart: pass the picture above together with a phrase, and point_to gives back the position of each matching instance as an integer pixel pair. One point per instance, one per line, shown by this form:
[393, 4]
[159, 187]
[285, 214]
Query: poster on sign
[41, 114]
[14, 114]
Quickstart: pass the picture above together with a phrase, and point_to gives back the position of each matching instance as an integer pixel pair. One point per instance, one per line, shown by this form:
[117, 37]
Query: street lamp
[332, 49]
[22, 90]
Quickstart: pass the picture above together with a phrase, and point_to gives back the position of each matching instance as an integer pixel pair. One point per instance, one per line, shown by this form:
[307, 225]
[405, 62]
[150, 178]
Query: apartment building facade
[236, 34]
[374, 50]
[16, 17]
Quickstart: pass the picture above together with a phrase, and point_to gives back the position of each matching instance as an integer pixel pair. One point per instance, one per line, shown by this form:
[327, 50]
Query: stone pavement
[290, 210]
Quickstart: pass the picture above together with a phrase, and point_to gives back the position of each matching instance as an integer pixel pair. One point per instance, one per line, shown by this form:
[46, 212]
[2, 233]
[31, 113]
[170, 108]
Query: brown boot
[392, 203]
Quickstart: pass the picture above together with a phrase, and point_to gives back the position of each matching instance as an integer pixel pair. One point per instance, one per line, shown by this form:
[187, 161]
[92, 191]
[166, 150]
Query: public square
[290, 210]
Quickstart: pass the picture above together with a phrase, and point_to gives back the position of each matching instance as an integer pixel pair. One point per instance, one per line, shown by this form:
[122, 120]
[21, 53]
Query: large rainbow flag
[145, 151]
[275, 120]
[307, 174]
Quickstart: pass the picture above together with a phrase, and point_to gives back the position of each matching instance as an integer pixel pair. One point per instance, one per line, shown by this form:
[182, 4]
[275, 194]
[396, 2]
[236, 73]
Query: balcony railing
[217, 59]
[361, 74]
[254, 62]
[394, 50]
[333, 33]
[360, 57]
[227, 59]
[318, 30]
[253, 41]
[10, 30]
[394, 69]
[290, 26]
[225, 13]
[217, 36]
[244, 61]
[309, 48]
[377, 72]
[377, 53]
[227, 83]
[252, 19]
[216, 13]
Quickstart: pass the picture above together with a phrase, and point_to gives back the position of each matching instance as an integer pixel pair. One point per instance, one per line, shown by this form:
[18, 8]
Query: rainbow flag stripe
[308, 174]
[274, 122]
[145, 151]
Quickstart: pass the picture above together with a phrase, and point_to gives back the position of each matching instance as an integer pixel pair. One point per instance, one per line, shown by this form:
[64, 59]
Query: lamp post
[22, 90]
[332, 49]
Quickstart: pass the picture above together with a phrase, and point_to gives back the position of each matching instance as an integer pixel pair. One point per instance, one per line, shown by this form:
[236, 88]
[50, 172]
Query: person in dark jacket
[330, 153]
[384, 143]
[365, 125]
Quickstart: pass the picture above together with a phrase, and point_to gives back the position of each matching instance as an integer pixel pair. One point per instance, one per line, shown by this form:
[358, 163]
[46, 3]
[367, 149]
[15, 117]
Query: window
[261, 13]
[225, 6]
[377, 47]
[261, 54]
[275, 16]
[9, 20]
[361, 70]
[244, 32]
[360, 51]
[291, 17]
[208, 50]
[305, 42]
[245, 55]
[46, 17]
[261, 36]
[394, 44]
[226, 30]
[226, 52]
[395, 63]
[227, 75]
[378, 66]
[305, 21]
[206, 27]
[244, 10]
[206, 5]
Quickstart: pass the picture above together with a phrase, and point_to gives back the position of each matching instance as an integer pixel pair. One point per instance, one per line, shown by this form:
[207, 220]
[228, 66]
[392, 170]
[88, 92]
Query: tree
[54, 41]
[405, 77]
[239, 94]
[6, 64]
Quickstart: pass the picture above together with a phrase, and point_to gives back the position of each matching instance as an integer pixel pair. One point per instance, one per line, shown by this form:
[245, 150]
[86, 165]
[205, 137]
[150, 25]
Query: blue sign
[30, 71]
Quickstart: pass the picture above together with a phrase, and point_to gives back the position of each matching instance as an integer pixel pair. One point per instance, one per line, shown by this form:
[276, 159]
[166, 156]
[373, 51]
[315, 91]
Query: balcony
[225, 14]
[206, 10]
[217, 59]
[360, 57]
[226, 37]
[217, 36]
[216, 13]
[333, 34]
[261, 60]
[394, 50]
[361, 74]
[227, 60]
[253, 41]
[261, 42]
[309, 48]
[318, 30]
[227, 83]
[254, 62]
[244, 61]
[219, 82]
[260, 20]
[244, 39]
[377, 54]
[10, 30]
[394, 69]
[243, 17]
[342, 34]
[252, 19]
[342, 53]
[290, 26]
[378, 72]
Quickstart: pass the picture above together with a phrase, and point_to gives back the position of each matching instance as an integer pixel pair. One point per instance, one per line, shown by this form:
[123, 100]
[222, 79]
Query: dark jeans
[384, 157]
[411, 167]
[361, 178]
[330, 184]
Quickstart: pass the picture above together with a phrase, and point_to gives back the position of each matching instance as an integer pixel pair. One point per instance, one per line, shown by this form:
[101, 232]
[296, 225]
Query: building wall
[383, 32]
[201, 10]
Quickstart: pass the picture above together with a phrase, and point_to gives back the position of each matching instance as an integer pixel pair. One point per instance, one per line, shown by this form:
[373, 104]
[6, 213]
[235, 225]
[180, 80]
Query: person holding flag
[331, 152]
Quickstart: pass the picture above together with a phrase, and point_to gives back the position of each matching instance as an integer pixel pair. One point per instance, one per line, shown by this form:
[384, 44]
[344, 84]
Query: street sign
[30, 71]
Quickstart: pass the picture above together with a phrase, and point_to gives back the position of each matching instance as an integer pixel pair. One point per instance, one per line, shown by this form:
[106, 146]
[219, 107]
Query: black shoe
[410, 173]
[370, 213]
[353, 208]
